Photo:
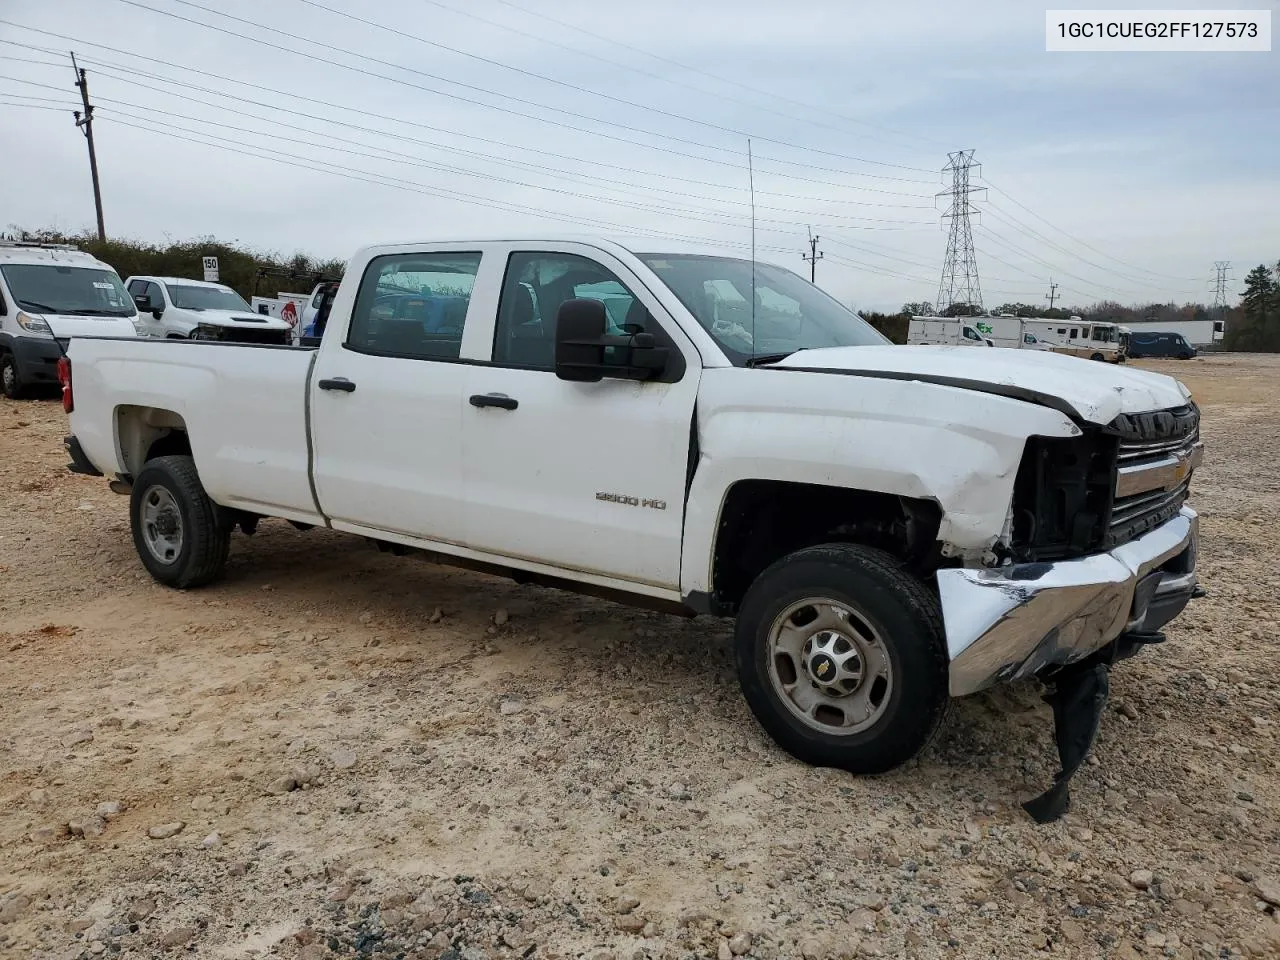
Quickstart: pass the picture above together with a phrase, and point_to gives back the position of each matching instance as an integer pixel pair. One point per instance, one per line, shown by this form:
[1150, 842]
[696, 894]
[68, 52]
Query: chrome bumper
[1012, 622]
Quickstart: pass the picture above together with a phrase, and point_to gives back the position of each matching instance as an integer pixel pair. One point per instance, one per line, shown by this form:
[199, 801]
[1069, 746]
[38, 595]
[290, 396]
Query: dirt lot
[337, 752]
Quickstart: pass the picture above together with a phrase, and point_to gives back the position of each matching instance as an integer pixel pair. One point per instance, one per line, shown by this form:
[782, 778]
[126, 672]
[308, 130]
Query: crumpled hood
[1093, 391]
[238, 318]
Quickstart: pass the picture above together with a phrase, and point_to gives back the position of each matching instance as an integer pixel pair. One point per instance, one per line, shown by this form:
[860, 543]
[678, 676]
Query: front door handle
[338, 383]
[494, 400]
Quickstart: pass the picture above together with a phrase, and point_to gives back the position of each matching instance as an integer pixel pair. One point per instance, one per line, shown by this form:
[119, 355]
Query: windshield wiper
[42, 307]
[90, 312]
[762, 358]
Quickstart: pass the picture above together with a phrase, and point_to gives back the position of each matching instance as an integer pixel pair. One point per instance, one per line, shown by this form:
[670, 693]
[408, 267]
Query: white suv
[48, 294]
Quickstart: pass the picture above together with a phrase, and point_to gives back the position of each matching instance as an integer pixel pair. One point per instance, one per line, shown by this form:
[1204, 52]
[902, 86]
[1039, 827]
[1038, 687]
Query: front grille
[1065, 503]
[1150, 438]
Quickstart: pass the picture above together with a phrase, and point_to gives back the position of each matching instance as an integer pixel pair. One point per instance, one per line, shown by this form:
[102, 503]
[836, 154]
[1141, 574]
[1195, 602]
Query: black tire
[1097, 356]
[11, 384]
[205, 536]
[903, 613]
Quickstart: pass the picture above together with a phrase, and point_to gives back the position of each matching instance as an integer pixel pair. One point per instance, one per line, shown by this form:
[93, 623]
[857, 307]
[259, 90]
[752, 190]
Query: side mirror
[143, 302]
[582, 345]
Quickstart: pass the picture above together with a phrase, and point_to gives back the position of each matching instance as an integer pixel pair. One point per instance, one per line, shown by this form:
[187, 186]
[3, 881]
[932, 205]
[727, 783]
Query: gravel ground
[335, 752]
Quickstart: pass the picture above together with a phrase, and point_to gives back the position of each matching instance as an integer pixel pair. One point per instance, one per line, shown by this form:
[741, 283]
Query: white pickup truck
[890, 526]
[197, 309]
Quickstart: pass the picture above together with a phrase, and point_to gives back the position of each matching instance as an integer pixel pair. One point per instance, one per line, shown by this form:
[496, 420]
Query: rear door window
[413, 305]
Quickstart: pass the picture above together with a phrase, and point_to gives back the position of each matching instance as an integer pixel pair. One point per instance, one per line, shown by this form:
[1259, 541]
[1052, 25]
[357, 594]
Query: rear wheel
[178, 531]
[10, 384]
[1097, 356]
[841, 658]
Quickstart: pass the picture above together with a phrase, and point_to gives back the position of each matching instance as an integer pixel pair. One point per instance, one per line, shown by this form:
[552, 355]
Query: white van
[49, 293]
[171, 307]
[958, 332]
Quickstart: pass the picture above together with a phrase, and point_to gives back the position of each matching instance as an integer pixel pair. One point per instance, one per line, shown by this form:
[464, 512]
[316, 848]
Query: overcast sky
[1122, 176]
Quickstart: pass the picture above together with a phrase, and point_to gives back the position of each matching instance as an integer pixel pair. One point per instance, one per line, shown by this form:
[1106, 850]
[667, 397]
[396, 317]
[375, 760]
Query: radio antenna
[751, 182]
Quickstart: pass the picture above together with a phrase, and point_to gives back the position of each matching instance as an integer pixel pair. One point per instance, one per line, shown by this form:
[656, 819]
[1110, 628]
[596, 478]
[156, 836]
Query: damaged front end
[1102, 555]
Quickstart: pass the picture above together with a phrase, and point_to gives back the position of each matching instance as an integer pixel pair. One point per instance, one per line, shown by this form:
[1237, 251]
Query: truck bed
[243, 406]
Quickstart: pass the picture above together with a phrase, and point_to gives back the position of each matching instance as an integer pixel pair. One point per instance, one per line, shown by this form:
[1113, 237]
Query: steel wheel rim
[161, 522]
[829, 666]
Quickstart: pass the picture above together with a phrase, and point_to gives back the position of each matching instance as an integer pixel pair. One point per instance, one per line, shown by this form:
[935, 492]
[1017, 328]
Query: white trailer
[1009, 331]
[960, 332]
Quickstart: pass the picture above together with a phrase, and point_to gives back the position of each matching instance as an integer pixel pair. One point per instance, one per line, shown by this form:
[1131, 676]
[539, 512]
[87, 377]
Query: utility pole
[960, 268]
[812, 257]
[1220, 285]
[85, 124]
[1053, 293]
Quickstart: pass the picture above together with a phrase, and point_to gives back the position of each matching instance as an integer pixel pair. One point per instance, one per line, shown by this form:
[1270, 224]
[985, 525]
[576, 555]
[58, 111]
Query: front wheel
[10, 384]
[1097, 356]
[842, 658]
[178, 531]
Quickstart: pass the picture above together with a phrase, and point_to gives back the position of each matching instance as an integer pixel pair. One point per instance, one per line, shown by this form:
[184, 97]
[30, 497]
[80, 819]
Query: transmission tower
[1220, 267]
[960, 269]
[1053, 293]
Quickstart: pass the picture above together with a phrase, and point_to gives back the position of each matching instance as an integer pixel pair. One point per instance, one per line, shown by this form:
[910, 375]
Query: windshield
[188, 296]
[789, 313]
[74, 291]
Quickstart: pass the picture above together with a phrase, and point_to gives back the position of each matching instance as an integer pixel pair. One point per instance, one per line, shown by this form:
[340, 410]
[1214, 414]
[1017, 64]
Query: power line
[684, 213]
[330, 140]
[959, 282]
[405, 121]
[526, 34]
[351, 173]
[540, 15]
[1008, 219]
[571, 86]
[1082, 243]
[478, 89]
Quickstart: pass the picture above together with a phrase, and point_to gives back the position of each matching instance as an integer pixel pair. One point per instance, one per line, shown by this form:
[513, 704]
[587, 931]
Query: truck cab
[48, 293]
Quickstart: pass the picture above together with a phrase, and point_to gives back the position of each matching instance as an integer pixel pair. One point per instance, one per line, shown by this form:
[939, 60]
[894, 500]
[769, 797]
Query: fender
[958, 447]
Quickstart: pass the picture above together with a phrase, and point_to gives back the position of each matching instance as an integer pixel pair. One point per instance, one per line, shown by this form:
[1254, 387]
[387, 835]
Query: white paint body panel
[1097, 392]
[243, 408]
[406, 458]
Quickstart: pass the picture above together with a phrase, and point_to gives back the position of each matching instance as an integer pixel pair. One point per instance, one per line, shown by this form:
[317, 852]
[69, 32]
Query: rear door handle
[338, 383]
[494, 400]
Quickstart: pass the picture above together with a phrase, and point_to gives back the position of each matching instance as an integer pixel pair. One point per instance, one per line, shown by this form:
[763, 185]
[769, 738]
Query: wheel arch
[762, 521]
[144, 433]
